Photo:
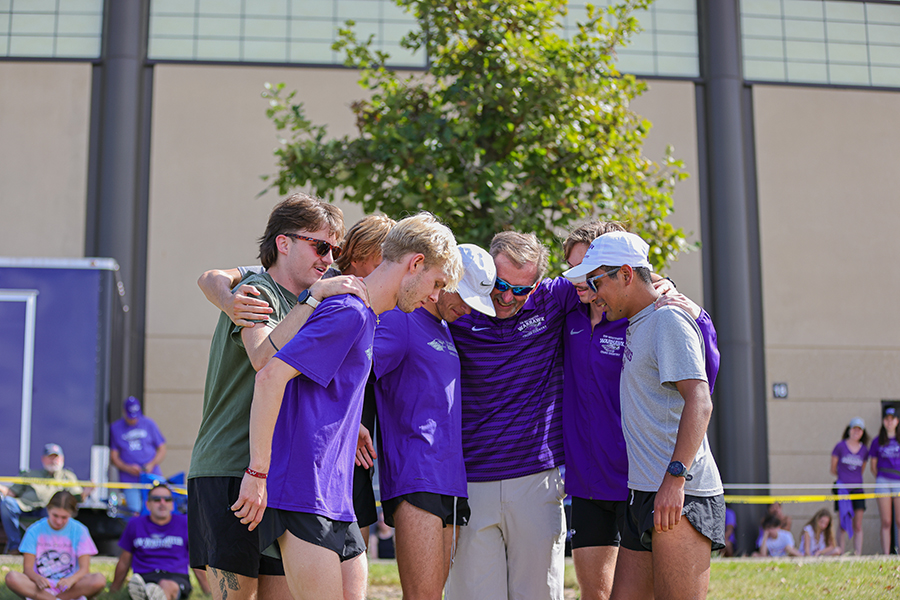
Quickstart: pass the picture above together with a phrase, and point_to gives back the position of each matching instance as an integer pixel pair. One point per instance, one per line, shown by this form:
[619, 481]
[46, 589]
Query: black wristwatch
[676, 468]
[306, 297]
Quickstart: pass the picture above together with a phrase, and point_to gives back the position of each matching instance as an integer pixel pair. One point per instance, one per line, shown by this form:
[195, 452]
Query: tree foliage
[511, 126]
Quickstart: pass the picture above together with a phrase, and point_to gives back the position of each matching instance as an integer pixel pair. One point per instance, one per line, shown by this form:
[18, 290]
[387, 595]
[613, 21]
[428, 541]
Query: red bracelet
[257, 474]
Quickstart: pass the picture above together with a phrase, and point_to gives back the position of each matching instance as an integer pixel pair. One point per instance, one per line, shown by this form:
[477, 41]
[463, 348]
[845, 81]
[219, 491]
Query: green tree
[510, 127]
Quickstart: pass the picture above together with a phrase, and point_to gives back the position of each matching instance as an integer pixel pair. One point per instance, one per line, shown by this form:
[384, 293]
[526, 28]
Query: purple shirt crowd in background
[850, 464]
[157, 547]
[136, 444]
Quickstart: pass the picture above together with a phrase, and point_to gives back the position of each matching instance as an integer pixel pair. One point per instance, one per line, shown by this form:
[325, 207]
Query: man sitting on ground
[156, 547]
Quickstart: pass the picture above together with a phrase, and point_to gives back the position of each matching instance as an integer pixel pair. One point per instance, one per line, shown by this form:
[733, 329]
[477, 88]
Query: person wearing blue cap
[885, 455]
[24, 501]
[136, 446]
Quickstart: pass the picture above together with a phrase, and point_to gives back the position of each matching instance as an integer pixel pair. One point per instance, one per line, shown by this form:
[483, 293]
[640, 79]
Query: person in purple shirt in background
[420, 460]
[156, 547]
[135, 446]
[512, 381]
[307, 403]
[596, 459]
[848, 463]
[885, 455]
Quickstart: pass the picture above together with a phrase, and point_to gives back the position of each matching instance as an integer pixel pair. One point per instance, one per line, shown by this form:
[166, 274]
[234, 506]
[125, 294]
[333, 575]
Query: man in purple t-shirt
[596, 460]
[307, 403]
[156, 547]
[135, 446]
[420, 458]
[512, 379]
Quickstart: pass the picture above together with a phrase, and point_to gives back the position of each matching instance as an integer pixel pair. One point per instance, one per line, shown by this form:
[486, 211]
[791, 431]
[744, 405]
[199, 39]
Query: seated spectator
[156, 546]
[776, 510]
[136, 446]
[817, 538]
[730, 525]
[776, 541]
[49, 571]
[28, 500]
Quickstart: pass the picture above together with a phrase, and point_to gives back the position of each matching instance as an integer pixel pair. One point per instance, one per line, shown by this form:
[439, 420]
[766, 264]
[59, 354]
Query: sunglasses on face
[159, 498]
[517, 290]
[592, 282]
[322, 247]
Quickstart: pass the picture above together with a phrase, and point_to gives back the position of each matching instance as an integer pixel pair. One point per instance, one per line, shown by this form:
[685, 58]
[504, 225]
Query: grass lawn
[744, 579]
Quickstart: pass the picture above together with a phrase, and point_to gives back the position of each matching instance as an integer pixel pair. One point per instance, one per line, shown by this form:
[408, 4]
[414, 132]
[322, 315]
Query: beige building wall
[671, 107]
[828, 208]
[44, 138]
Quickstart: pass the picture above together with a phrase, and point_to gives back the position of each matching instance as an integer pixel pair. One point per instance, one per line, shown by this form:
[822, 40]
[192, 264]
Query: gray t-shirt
[661, 347]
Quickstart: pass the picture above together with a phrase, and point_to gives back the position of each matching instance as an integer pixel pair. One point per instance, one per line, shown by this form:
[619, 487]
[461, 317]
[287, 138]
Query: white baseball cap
[478, 278]
[612, 249]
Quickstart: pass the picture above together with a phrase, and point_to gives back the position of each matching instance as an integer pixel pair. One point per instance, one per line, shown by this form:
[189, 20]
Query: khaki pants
[514, 544]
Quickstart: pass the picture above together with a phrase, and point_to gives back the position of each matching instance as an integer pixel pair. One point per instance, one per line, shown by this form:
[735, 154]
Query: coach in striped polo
[512, 382]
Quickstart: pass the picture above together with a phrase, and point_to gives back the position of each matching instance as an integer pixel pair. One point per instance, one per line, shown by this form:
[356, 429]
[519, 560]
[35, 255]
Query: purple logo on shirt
[532, 326]
[611, 346]
[443, 346]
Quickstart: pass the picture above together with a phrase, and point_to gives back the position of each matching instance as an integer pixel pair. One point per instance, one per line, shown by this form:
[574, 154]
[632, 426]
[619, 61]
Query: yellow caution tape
[730, 499]
[85, 484]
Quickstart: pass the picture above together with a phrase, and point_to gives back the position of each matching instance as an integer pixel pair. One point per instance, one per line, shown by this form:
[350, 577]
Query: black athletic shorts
[216, 537]
[858, 504]
[363, 492]
[341, 537]
[364, 496]
[182, 579]
[597, 522]
[706, 515]
[440, 505]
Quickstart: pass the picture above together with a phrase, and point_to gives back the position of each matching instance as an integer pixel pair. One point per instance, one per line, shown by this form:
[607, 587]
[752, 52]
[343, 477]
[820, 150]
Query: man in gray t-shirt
[666, 408]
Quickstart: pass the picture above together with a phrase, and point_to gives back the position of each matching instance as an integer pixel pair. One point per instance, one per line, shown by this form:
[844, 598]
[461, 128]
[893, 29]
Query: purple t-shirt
[418, 396]
[888, 457]
[512, 383]
[730, 519]
[136, 445]
[596, 458]
[157, 547]
[56, 552]
[314, 442]
[850, 465]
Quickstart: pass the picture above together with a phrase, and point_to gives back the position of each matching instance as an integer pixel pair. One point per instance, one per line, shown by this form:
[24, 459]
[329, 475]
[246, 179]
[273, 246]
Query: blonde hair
[424, 234]
[364, 240]
[829, 531]
[521, 249]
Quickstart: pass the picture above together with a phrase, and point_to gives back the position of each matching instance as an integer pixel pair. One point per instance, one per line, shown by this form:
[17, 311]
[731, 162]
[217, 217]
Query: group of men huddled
[486, 378]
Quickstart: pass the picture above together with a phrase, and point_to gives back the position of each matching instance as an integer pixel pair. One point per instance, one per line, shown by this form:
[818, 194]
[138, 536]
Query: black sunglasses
[592, 282]
[322, 247]
[517, 290]
[159, 498]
